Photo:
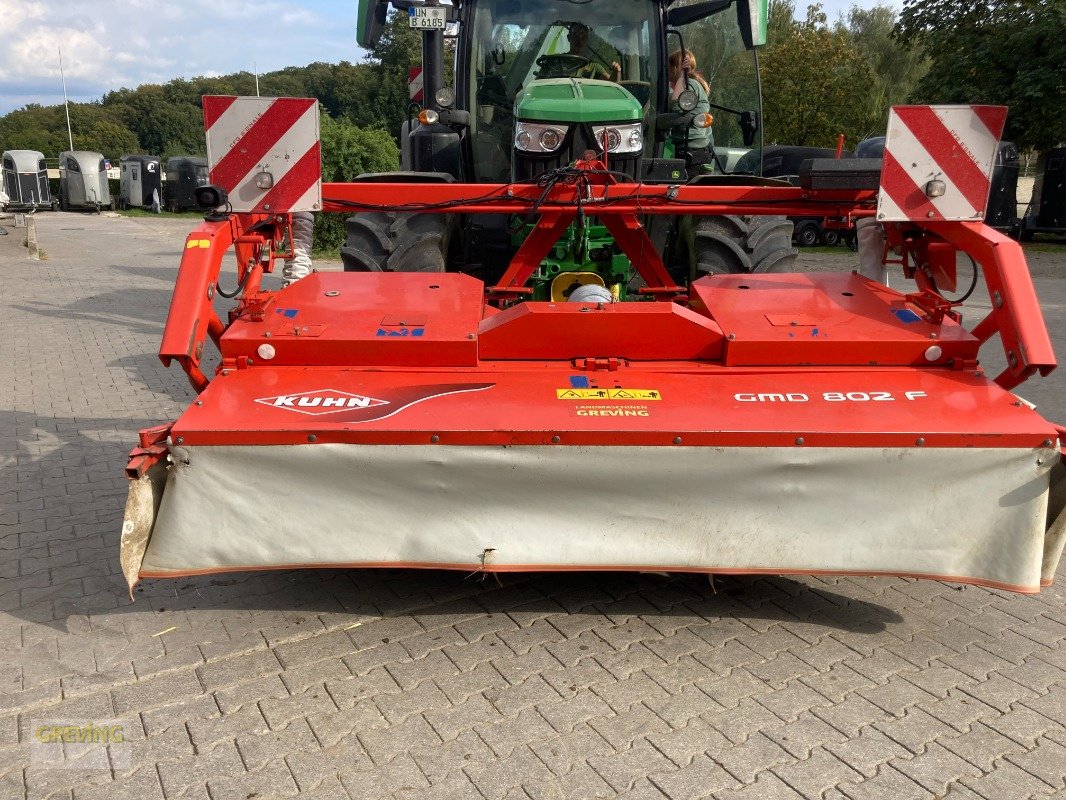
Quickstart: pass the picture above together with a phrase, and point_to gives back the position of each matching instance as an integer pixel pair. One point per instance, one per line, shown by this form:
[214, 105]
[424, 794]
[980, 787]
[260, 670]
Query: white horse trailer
[83, 181]
[26, 180]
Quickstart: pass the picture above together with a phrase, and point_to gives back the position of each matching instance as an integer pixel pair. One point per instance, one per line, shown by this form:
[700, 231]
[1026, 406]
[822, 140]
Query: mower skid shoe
[142, 505]
[1055, 537]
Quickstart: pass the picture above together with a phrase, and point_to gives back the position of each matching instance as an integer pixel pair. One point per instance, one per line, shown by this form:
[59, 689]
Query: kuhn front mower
[745, 423]
[598, 362]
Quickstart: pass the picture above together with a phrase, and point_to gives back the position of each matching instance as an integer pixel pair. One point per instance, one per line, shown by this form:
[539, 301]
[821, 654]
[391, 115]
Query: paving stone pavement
[400, 684]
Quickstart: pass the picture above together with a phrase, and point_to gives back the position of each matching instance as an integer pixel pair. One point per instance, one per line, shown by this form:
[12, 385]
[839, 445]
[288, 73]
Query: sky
[111, 44]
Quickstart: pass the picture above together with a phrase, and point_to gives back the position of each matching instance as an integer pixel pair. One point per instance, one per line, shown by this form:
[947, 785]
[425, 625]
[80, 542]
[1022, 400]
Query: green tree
[815, 82]
[895, 68]
[1002, 52]
[349, 151]
[342, 89]
[35, 127]
[108, 137]
[167, 120]
[385, 87]
[43, 128]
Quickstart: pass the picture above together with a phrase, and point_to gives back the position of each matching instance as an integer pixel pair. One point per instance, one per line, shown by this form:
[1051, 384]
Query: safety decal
[906, 316]
[401, 332]
[607, 394]
[192, 244]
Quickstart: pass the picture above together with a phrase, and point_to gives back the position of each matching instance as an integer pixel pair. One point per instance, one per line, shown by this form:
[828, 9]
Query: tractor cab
[542, 85]
[539, 83]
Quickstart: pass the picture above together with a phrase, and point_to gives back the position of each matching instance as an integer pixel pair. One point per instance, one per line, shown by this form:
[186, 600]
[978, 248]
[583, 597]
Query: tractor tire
[381, 241]
[743, 245]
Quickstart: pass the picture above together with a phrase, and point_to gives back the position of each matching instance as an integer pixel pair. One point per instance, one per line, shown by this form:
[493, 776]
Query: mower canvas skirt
[931, 513]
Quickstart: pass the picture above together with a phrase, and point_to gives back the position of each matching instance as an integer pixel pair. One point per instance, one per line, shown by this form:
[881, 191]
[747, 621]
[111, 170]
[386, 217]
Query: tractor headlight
[620, 138]
[549, 138]
[533, 138]
[444, 97]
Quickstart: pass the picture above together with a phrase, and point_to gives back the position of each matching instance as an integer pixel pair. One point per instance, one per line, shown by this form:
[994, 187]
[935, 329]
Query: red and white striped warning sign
[415, 84]
[265, 152]
[938, 162]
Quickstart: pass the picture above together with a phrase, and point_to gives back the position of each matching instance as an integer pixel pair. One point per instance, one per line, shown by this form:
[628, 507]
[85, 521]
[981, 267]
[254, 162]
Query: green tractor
[541, 84]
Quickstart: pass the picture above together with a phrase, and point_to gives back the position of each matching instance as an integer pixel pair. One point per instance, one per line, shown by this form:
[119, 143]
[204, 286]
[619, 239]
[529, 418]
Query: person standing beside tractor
[692, 140]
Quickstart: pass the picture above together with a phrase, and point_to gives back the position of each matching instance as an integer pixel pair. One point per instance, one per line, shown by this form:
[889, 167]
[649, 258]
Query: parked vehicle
[183, 175]
[784, 162]
[26, 180]
[874, 147]
[1046, 212]
[140, 182]
[1001, 212]
[83, 181]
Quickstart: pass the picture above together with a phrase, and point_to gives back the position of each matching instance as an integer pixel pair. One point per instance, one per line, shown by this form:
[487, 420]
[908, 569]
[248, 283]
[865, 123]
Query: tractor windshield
[518, 41]
[515, 42]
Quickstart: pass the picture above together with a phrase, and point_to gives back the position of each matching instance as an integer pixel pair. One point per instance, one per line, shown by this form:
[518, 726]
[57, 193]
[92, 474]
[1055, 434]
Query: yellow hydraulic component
[564, 284]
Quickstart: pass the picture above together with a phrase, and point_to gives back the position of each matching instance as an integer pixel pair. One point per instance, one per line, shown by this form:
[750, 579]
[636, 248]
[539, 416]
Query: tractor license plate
[427, 17]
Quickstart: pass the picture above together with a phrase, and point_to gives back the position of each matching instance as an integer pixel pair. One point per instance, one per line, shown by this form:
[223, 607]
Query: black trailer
[874, 147]
[140, 182]
[784, 162]
[26, 181]
[1047, 209]
[1001, 212]
[183, 175]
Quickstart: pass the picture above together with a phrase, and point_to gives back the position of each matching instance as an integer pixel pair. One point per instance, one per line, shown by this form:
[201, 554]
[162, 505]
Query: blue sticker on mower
[401, 332]
[579, 382]
[907, 316]
[289, 313]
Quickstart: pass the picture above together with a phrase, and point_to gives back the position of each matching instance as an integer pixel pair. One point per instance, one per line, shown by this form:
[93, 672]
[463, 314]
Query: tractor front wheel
[381, 241]
[743, 244]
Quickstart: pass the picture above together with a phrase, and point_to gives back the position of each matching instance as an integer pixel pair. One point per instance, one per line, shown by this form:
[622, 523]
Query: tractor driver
[578, 37]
